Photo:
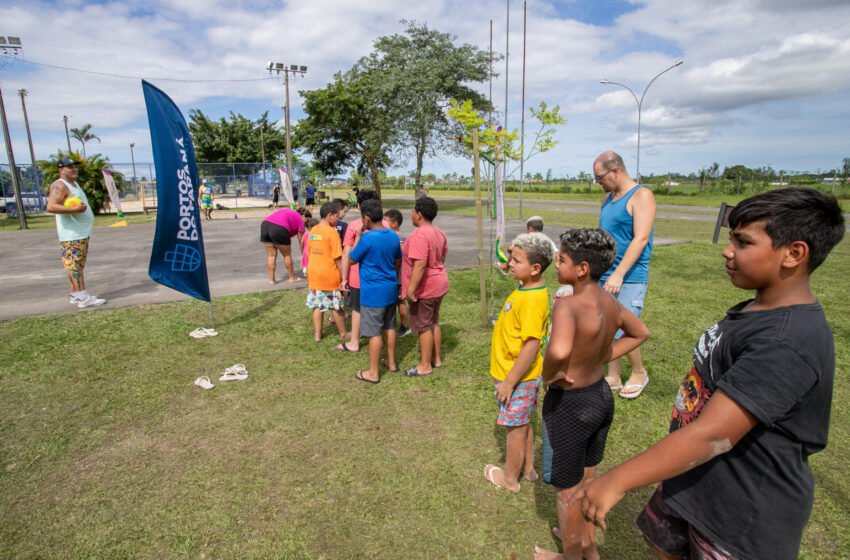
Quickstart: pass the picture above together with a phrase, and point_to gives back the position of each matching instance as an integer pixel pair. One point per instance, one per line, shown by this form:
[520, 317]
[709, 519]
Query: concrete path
[32, 281]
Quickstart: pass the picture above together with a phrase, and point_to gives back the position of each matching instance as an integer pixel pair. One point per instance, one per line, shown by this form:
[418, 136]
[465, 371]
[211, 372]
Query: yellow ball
[72, 202]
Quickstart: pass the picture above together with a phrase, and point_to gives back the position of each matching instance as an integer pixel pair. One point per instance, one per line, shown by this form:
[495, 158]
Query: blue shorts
[631, 295]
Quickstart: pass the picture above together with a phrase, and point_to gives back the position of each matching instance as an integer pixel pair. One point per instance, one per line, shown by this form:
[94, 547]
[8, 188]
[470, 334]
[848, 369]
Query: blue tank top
[616, 220]
[72, 227]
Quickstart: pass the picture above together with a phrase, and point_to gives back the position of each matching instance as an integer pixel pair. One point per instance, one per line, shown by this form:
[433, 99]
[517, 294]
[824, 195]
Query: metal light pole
[23, 93]
[12, 167]
[67, 135]
[141, 192]
[640, 104]
[286, 71]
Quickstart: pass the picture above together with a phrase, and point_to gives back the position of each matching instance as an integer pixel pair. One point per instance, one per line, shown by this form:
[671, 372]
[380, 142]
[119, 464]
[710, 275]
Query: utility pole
[23, 93]
[67, 135]
[286, 71]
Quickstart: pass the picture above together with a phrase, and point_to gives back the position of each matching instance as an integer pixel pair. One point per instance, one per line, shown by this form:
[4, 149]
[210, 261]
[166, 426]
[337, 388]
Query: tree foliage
[346, 127]
[90, 177]
[83, 135]
[235, 139]
[421, 71]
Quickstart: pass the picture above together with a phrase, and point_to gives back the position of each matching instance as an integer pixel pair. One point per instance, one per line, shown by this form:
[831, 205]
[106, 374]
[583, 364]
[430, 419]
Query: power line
[69, 69]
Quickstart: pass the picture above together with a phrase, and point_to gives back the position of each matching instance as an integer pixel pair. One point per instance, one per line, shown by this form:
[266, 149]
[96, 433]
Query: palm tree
[83, 135]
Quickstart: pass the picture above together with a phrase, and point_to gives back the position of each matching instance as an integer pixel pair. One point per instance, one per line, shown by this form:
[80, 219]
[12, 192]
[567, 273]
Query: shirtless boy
[578, 408]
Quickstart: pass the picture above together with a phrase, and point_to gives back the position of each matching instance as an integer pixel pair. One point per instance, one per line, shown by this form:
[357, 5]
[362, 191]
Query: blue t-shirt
[377, 252]
[311, 191]
[616, 220]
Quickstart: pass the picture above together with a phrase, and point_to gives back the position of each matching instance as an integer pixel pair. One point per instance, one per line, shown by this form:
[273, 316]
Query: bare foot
[272, 282]
[543, 554]
[296, 279]
[615, 383]
[496, 476]
[531, 475]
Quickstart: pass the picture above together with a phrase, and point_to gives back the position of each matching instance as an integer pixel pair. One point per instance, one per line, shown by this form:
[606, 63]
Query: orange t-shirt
[324, 248]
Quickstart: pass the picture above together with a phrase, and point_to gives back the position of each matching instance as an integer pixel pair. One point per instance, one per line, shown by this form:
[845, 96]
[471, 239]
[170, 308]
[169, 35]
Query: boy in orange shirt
[324, 271]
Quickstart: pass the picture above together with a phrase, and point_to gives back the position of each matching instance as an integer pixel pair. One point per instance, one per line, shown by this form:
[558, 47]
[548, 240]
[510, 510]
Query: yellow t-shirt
[525, 315]
[324, 248]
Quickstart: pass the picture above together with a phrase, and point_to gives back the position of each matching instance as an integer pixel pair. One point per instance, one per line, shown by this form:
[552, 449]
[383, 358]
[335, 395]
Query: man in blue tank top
[628, 214]
[74, 220]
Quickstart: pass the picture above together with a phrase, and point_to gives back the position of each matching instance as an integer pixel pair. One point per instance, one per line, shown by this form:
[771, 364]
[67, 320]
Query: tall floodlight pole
[640, 104]
[295, 70]
[522, 119]
[23, 93]
[67, 134]
[16, 186]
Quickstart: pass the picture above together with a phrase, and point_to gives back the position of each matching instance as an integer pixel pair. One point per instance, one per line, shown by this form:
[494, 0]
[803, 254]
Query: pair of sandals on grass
[236, 372]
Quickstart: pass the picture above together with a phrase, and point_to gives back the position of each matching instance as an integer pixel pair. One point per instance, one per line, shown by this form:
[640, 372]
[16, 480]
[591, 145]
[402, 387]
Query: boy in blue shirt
[754, 405]
[378, 252]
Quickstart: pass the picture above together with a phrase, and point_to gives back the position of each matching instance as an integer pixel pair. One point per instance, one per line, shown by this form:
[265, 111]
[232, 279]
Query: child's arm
[416, 276]
[560, 345]
[720, 426]
[530, 347]
[635, 333]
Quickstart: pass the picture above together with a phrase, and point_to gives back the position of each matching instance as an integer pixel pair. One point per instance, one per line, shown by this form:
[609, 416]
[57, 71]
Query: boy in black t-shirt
[755, 404]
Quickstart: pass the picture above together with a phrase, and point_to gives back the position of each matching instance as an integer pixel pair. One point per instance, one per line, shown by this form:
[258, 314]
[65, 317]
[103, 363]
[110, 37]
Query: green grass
[107, 450]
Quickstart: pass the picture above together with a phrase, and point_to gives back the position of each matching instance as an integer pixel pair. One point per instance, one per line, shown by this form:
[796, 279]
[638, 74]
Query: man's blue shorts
[631, 296]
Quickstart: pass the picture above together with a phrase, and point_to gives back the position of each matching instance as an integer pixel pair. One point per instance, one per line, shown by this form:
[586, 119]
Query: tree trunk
[420, 156]
[373, 172]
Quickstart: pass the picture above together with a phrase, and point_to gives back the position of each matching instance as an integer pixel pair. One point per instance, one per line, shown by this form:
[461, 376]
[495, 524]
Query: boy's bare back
[583, 328]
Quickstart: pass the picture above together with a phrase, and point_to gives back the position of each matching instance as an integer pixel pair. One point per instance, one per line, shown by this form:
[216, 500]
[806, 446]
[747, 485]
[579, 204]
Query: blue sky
[764, 81]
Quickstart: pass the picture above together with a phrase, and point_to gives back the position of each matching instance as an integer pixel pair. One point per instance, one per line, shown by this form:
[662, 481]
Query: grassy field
[107, 450]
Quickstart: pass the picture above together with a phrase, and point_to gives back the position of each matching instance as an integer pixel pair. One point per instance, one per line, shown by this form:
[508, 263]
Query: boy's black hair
[795, 214]
[372, 209]
[394, 215]
[591, 245]
[366, 194]
[342, 203]
[328, 208]
[426, 206]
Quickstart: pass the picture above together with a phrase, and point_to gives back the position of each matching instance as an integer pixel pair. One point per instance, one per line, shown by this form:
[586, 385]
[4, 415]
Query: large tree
[420, 71]
[90, 177]
[235, 140]
[347, 126]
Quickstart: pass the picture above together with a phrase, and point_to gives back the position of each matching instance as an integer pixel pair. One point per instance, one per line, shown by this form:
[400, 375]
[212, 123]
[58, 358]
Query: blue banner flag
[177, 258]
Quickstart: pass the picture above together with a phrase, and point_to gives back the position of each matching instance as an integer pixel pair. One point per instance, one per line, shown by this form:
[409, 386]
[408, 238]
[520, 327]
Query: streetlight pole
[67, 135]
[133, 161]
[640, 104]
[16, 186]
[286, 71]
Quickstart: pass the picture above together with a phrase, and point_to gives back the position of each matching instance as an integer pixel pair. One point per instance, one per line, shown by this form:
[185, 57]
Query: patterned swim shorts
[523, 402]
[325, 300]
[74, 254]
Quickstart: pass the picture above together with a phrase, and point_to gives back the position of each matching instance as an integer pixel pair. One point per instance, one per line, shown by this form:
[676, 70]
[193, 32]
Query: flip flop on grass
[359, 376]
[490, 470]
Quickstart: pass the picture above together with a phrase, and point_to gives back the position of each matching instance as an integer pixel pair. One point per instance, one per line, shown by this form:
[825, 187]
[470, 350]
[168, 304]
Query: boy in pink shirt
[424, 282]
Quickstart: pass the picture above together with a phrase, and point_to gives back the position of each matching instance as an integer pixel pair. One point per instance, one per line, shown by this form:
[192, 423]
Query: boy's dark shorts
[352, 300]
[424, 314]
[273, 233]
[576, 422]
[666, 530]
[376, 320]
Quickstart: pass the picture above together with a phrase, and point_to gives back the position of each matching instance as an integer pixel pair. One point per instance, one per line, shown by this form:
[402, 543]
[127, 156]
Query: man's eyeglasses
[599, 177]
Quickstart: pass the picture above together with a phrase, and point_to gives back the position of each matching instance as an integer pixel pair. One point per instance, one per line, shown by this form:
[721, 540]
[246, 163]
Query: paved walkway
[32, 281]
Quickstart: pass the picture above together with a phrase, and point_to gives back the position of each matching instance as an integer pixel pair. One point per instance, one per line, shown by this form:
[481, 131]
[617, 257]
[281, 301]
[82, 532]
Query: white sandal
[201, 332]
[236, 372]
[204, 382]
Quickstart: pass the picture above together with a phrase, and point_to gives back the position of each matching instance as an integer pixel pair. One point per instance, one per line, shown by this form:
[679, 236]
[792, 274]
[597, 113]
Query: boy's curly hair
[591, 245]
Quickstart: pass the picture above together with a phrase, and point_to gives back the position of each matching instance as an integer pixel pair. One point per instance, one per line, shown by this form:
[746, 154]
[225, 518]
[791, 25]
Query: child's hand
[596, 499]
[504, 393]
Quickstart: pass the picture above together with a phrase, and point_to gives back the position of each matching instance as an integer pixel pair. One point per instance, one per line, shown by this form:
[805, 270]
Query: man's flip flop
[204, 382]
[201, 332]
[488, 475]
[387, 365]
[639, 386]
[344, 348]
[236, 372]
[359, 376]
[414, 372]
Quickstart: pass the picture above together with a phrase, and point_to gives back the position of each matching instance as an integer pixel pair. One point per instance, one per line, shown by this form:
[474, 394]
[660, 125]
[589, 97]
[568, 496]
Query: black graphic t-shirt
[779, 365]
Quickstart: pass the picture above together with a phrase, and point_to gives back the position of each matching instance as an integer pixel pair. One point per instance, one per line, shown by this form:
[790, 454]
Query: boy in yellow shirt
[515, 358]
